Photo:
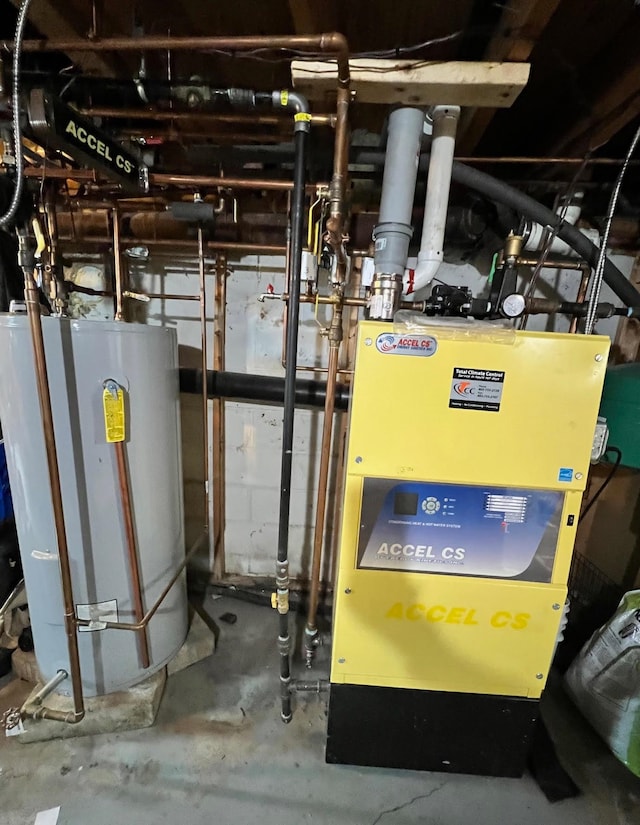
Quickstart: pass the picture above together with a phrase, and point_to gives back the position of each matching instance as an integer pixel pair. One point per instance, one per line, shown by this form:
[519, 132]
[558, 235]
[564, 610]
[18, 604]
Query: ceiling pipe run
[331, 43]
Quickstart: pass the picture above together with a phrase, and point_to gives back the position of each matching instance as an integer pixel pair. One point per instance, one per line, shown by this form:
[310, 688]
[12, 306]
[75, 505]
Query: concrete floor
[219, 755]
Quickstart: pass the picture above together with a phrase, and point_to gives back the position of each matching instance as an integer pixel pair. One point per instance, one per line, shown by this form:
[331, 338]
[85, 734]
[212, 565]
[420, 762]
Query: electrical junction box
[468, 452]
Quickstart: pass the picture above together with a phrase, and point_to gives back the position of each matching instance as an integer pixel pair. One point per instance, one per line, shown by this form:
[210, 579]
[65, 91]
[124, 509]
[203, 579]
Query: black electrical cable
[603, 486]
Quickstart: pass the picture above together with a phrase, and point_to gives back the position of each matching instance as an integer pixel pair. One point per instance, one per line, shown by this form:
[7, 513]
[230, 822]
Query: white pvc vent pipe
[445, 123]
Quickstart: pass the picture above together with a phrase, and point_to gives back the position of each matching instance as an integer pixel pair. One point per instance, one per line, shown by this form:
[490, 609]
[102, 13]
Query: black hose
[282, 565]
[500, 192]
[497, 190]
[268, 389]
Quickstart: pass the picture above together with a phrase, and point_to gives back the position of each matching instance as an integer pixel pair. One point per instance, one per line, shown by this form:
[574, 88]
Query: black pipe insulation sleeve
[239, 386]
[298, 210]
[501, 192]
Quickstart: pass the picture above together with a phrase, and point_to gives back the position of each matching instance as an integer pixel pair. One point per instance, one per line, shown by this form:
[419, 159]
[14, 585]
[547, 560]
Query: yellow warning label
[284, 97]
[114, 422]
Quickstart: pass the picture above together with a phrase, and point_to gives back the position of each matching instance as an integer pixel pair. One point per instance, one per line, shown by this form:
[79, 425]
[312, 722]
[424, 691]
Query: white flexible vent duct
[445, 123]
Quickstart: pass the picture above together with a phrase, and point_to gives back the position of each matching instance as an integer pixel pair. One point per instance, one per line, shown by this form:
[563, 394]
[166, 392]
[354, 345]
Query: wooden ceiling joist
[54, 20]
[521, 25]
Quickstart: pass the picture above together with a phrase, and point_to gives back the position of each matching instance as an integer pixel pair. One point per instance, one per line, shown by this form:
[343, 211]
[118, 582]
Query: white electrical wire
[596, 283]
[17, 192]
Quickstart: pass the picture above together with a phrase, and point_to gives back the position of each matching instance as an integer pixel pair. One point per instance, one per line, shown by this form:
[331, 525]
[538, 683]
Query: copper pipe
[311, 629]
[117, 263]
[215, 136]
[161, 296]
[204, 117]
[167, 296]
[548, 264]
[328, 43]
[348, 301]
[222, 246]
[137, 626]
[581, 296]
[44, 398]
[132, 551]
[322, 370]
[561, 160]
[205, 399]
[335, 222]
[218, 421]
[163, 179]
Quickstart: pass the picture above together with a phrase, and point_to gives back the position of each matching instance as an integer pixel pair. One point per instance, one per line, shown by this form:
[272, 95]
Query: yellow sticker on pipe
[114, 420]
[284, 97]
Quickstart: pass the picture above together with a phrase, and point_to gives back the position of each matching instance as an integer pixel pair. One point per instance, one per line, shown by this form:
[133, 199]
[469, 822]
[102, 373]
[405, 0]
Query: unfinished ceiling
[583, 90]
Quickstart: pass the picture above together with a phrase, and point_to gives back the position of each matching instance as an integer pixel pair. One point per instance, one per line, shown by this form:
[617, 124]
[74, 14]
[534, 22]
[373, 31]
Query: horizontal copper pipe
[162, 296]
[332, 43]
[168, 296]
[147, 133]
[418, 306]
[141, 625]
[567, 161]
[552, 264]
[205, 117]
[163, 179]
[220, 246]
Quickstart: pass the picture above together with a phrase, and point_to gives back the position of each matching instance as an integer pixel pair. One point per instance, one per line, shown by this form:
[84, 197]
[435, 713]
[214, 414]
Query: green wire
[492, 271]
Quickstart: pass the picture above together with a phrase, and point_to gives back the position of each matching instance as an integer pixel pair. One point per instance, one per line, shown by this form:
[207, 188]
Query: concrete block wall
[253, 431]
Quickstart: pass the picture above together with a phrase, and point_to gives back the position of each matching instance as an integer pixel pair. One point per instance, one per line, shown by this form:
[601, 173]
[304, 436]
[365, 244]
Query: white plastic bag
[604, 681]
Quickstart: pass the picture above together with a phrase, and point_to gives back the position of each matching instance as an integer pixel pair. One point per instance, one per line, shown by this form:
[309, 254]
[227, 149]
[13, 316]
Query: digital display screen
[405, 504]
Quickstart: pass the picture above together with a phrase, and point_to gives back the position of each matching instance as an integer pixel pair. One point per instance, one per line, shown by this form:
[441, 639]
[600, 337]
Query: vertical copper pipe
[582, 294]
[205, 400]
[117, 263]
[44, 398]
[336, 220]
[311, 629]
[132, 551]
[218, 424]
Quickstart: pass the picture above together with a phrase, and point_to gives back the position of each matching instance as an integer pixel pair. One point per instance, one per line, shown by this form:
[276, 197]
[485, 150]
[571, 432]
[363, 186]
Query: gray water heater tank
[81, 355]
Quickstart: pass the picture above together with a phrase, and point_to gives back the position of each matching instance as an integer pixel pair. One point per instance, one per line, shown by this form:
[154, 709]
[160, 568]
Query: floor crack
[410, 802]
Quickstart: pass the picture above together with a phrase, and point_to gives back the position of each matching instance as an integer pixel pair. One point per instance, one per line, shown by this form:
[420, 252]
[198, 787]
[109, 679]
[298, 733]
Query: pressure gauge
[513, 305]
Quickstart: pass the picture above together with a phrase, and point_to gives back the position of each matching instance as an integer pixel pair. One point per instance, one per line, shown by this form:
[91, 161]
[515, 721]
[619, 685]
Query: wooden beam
[615, 106]
[53, 20]
[521, 25]
[456, 83]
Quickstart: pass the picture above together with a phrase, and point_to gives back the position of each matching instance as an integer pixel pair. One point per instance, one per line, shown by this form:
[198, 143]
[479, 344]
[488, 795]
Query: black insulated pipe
[501, 192]
[267, 389]
[282, 563]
